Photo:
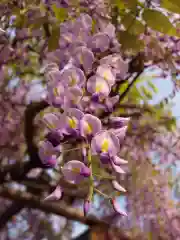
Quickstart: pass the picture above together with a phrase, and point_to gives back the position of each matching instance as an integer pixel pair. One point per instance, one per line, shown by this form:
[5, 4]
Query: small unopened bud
[86, 207]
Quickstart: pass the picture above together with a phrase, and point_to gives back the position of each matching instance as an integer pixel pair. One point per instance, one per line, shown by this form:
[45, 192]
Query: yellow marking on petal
[47, 152]
[88, 129]
[99, 86]
[55, 91]
[49, 125]
[72, 123]
[76, 170]
[105, 145]
[106, 75]
[72, 82]
[81, 59]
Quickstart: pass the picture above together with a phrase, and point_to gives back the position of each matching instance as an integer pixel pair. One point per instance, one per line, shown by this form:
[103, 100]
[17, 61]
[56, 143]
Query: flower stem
[102, 194]
[91, 188]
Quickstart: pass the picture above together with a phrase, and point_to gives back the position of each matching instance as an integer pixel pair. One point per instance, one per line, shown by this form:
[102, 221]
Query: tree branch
[55, 208]
[19, 170]
[124, 94]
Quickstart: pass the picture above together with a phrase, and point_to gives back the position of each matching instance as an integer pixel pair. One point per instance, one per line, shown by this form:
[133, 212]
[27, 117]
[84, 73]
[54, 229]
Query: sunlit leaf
[153, 87]
[53, 41]
[170, 5]
[132, 25]
[158, 21]
[61, 14]
[130, 42]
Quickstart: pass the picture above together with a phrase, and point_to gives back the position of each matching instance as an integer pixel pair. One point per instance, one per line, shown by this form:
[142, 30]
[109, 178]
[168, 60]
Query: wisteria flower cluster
[81, 91]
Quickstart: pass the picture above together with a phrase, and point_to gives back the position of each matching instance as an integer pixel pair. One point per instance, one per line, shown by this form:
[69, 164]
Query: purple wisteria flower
[56, 95]
[99, 42]
[86, 207]
[51, 120]
[72, 97]
[117, 186]
[110, 102]
[118, 122]
[105, 72]
[98, 87]
[66, 39]
[75, 171]
[119, 161]
[116, 207]
[48, 154]
[105, 144]
[83, 57]
[89, 125]
[120, 132]
[85, 21]
[118, 65]
[73, 76]
[72, 121]
[79, 83]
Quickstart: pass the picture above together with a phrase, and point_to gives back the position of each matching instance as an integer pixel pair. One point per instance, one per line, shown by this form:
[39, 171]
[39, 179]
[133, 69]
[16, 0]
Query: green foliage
[53, 41]
[61, 14]
[126, 4]
[132, 25]
[158, 22]
[130, 42]
[173, 6]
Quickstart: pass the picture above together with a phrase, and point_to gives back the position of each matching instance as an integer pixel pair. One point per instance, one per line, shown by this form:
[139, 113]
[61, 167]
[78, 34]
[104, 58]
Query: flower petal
[118, 161]
[105, 72]
[117, 208]
[117, 186]
[117, 169]
[56, 195]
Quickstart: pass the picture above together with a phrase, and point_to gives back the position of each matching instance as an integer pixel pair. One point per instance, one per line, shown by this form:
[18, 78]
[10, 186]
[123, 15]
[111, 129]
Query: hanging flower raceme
[82, 86]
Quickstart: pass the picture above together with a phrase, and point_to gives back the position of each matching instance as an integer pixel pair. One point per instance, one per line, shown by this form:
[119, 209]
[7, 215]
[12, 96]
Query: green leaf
[130, 42]
[119, 4]
[61, 14]
[175, 2]
[146, 92]
[126, 4]
[53, 41]
[158, 22]
[132, 25]
[131, 4]
[170, 5]
[153, 87]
